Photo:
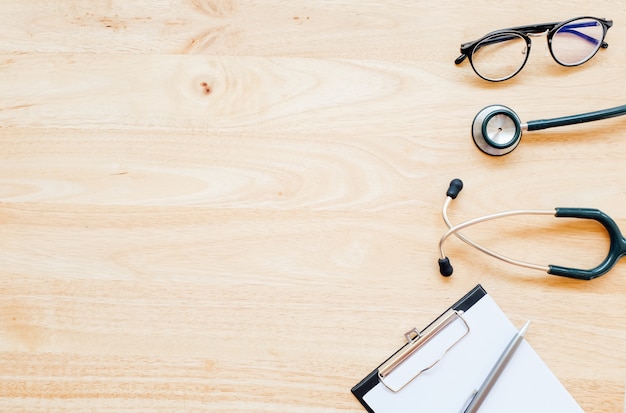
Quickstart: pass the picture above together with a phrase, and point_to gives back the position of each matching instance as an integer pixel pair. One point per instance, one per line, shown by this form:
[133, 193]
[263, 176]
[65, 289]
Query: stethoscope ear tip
[445, 268]
[455, 187]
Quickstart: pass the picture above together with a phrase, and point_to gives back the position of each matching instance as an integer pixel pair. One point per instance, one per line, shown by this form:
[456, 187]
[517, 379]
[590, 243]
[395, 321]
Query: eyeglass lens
[577, 41]
[502, 55]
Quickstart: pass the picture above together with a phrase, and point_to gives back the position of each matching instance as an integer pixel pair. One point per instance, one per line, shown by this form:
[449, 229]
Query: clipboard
[439, 367]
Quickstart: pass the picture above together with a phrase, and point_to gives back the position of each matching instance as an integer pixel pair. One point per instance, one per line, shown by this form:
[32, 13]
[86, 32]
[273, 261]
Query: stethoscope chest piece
[496, 130]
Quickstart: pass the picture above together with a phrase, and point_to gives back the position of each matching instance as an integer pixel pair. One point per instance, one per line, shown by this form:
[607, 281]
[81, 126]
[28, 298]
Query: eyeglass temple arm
[533, 28]
[466, 49]
[617, 247]
[571, 28]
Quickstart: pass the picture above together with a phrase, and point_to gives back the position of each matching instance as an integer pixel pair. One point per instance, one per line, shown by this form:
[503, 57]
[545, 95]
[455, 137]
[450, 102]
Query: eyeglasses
[501, 54]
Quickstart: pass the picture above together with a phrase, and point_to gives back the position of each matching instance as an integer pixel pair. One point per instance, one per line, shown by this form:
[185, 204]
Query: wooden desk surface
[235, 205]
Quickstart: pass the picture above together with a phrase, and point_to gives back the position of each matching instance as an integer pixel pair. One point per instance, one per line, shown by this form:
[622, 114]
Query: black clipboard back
[451, 317]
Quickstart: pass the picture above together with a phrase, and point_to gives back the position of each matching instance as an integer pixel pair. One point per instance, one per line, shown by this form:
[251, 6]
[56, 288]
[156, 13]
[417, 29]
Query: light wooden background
[213, 205]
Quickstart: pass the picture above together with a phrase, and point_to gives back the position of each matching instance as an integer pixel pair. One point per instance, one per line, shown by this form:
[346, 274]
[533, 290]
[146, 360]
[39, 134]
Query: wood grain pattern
[212, 205]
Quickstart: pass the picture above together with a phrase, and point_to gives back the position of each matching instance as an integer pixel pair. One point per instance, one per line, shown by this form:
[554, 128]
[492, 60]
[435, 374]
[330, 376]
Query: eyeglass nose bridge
[537, 34]
[547, 51]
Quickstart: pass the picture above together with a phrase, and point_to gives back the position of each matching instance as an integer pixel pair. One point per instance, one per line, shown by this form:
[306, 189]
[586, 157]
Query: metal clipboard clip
[408, 363]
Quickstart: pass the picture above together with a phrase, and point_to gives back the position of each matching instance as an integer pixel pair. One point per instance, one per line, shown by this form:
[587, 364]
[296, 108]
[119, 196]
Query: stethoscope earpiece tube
[456, 185]
[617, 247]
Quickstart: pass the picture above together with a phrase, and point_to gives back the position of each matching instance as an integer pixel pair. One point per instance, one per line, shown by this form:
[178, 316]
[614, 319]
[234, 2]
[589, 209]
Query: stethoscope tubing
[455, 230]
[574, 119]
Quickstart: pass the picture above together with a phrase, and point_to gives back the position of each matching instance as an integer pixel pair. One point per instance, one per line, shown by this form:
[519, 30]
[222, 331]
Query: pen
[479, 395]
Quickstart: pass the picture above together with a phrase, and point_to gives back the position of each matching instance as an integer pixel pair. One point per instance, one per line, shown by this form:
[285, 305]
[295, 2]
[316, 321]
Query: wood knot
[206, 89]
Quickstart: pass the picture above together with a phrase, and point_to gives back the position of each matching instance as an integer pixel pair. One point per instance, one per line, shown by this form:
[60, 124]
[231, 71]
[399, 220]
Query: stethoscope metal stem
[454, 230]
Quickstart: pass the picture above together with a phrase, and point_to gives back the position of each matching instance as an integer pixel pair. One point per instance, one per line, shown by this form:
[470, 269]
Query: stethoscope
[497, 130]
[617, 246]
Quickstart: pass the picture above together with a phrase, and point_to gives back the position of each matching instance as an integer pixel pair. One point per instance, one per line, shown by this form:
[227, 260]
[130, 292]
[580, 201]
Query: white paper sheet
[526, 385]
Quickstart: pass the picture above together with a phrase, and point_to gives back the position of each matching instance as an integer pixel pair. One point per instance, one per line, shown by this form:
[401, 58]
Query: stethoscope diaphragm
[497, 130]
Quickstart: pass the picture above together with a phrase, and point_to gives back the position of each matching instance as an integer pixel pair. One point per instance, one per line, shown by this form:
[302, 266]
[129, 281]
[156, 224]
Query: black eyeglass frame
[468, 48]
